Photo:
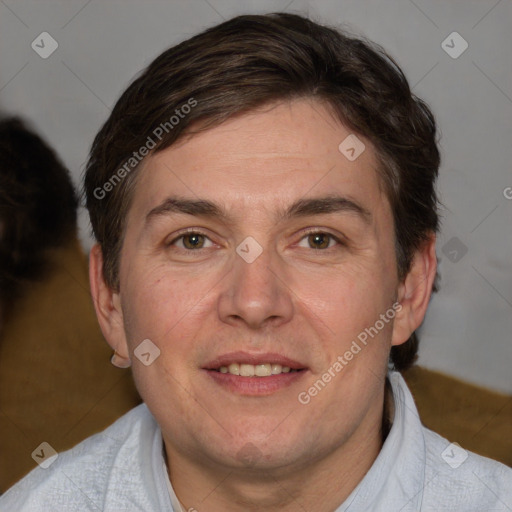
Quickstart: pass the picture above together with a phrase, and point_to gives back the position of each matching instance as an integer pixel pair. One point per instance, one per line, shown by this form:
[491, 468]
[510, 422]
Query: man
[264, 205]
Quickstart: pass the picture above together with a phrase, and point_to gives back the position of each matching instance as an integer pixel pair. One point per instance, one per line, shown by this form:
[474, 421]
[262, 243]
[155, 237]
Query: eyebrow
[301, 208]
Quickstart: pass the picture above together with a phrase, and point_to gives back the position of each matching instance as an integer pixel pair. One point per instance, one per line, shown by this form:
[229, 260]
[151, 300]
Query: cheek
[164, 305]
[345, 303]
[163, 309]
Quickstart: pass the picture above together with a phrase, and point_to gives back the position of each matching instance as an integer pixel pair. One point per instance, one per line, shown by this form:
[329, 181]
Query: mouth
[254, 374]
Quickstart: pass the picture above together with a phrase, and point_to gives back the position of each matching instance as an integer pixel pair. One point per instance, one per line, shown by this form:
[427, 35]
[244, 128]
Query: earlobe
[108, 309]
[415, 291]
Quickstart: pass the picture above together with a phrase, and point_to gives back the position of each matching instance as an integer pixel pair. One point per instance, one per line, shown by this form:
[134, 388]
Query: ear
[107, 304]
[415, 291]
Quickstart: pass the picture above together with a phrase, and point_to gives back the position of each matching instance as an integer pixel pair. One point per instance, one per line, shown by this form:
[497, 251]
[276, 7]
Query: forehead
[262, 161]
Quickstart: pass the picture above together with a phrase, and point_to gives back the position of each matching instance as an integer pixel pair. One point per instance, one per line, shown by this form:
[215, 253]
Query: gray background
[103, 44]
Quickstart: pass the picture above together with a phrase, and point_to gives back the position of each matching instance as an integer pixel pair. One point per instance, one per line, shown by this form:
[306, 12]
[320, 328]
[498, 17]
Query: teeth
[258, 370]
[276, 369]
[234, 369]
[247, 370]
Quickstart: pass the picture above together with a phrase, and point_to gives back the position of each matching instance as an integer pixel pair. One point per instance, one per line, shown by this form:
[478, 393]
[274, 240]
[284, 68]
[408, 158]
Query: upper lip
[255, 359]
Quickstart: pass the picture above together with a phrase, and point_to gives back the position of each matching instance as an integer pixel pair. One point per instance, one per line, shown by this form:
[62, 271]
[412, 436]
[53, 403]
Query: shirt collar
[397, 477]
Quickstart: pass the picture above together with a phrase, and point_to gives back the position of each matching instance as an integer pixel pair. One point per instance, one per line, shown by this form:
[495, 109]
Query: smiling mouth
[254, 374]
[256, 370]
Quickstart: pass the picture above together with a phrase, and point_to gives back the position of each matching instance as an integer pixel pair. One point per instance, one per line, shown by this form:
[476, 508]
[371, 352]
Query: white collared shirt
[123, 469]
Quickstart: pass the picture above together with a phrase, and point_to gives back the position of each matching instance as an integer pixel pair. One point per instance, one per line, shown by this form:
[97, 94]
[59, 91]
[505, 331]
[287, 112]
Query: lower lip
[255, 386]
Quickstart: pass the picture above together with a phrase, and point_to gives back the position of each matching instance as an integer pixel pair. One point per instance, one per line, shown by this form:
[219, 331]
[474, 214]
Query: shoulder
[78, 479]
[462, 480]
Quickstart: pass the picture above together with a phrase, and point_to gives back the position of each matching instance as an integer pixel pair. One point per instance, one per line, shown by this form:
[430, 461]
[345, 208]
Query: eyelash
[305, 233]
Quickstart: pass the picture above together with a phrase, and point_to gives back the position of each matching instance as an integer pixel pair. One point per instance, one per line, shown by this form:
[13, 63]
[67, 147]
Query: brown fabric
[56, 381]
[476, 418]
[57, 384]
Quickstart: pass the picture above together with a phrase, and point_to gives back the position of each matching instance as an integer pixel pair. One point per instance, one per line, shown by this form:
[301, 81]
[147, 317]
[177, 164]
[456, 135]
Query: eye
[320, 240]
[191, 241]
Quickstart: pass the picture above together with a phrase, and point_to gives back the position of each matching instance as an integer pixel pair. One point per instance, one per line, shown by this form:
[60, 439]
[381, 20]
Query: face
[257, 247]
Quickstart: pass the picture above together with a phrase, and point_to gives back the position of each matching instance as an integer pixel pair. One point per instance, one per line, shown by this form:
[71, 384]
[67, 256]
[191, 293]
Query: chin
[255, 448]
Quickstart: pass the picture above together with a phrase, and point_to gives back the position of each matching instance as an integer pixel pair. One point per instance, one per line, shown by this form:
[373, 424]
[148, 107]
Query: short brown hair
[253, 60]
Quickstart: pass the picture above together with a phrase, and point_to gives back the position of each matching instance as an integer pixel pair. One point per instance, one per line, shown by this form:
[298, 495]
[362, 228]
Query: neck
[321, 485]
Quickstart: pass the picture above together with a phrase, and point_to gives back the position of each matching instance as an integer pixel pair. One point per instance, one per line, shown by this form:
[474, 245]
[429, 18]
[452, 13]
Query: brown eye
[319, 240]
[193, 241]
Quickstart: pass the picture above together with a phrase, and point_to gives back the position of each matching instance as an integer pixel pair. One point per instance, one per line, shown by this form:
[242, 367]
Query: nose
[255, 293]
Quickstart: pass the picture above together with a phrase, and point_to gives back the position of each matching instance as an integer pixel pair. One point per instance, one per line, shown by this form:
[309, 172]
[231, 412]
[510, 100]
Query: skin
[297, 299]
